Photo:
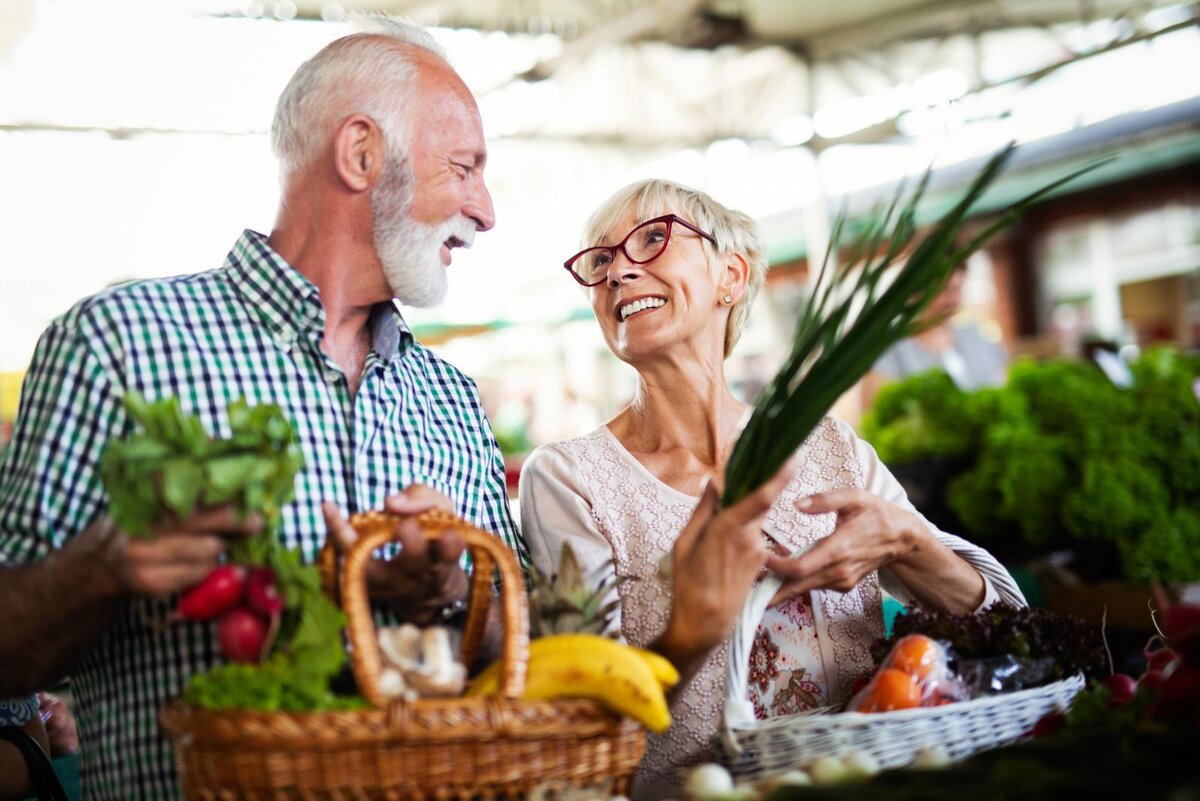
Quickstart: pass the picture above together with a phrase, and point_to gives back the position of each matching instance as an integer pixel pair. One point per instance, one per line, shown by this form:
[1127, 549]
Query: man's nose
[479, 208]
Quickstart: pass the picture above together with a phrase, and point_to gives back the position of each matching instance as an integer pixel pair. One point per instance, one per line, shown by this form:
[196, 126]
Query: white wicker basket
[754, 749]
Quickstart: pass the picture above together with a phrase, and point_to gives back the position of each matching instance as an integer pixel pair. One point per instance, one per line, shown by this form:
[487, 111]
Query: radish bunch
[1169, 690]
[246, 604]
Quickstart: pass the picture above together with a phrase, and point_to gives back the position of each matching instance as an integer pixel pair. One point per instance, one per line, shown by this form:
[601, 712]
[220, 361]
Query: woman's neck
[681, 410]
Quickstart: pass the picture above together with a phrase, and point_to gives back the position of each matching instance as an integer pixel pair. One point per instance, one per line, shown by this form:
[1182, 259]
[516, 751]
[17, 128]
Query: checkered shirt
[251, 329]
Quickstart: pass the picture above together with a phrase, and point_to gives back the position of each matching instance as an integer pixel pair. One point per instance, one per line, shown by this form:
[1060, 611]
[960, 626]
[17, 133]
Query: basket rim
[920, 713]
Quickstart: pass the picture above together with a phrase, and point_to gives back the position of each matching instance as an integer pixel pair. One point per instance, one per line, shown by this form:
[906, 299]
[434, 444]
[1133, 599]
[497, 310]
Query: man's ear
[735, 275]
[358, 152]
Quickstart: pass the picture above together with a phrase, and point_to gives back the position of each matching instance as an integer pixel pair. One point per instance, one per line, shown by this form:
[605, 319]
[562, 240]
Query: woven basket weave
[754, 748]
[449, 748]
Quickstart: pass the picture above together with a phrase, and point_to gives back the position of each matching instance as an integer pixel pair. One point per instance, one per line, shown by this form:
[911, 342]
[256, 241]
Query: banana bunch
[630, 681]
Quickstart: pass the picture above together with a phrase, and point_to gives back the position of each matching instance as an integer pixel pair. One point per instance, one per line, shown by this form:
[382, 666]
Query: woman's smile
[639, 306]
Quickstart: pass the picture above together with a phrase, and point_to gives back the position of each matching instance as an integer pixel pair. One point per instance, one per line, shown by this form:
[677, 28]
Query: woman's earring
[727, 299]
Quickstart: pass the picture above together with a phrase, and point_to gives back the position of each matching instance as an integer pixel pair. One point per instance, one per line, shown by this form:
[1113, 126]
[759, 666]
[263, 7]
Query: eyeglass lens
[645, 243]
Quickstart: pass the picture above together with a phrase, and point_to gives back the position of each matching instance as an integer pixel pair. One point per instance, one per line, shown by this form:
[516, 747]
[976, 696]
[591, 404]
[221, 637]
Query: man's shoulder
[141, 298]
[438, 370]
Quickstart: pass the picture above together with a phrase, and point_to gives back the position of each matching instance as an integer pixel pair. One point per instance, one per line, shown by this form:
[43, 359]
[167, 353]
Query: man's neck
[348, 277]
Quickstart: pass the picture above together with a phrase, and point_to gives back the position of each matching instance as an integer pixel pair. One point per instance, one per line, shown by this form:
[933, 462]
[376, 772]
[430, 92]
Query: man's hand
[426, 575]
[870, 533]
[177, 554]
[60, 725]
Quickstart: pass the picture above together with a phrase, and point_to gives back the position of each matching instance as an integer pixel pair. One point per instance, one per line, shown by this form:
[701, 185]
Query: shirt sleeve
[50, 486]
[998, 583]
[554, 512]
[18, 711]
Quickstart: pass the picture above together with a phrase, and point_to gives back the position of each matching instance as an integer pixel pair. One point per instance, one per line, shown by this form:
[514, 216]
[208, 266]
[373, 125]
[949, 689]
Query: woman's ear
[358, 152]
[735, 275]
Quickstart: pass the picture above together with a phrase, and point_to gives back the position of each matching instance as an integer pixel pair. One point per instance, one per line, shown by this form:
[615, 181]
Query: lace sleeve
[555, 510]
[998, 583]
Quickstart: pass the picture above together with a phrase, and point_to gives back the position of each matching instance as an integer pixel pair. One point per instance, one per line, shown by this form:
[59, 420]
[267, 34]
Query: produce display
[1062, 455]
[280, 633]
[1122, 739]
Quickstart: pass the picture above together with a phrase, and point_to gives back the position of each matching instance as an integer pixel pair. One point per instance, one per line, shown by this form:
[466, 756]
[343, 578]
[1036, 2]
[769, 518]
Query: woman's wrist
[680, 647]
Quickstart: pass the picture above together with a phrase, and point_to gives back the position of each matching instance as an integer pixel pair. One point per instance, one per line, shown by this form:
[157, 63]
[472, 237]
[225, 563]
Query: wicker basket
[754, 749]
[452, 748]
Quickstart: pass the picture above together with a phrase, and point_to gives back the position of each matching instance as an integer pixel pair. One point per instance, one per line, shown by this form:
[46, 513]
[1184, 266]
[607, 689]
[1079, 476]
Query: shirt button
[332, 376]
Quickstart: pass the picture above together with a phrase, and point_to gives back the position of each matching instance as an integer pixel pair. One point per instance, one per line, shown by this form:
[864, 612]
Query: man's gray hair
[734, 231]
[361, 73]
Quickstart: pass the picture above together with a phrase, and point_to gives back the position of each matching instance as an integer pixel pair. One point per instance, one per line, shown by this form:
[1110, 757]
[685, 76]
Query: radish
[1048, 724]
[1181, 625]
[242, 635]
[262, 592]
[1121, 687]
[215, 595]
[1160, 659]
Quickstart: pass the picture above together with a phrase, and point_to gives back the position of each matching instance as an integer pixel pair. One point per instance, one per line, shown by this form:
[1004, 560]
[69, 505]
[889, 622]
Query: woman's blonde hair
[734, 231]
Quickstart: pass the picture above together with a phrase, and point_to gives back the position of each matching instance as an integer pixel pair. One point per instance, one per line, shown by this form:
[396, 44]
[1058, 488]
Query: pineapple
[569, 602]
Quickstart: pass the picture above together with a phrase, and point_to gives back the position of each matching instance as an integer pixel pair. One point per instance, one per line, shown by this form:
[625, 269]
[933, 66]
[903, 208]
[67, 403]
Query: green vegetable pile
[1073, 645]
[1061, 454]
[170, 468]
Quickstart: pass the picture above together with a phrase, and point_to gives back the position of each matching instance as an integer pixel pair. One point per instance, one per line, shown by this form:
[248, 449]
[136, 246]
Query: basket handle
[738, 711]
[487, 552]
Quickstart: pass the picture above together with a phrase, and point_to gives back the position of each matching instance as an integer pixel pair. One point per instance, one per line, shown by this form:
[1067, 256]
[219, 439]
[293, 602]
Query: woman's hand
[716, 561]
[871, 533]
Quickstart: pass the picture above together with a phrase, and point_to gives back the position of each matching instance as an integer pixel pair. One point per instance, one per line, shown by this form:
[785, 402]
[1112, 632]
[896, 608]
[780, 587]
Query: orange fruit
[891, 689]
[916, 655]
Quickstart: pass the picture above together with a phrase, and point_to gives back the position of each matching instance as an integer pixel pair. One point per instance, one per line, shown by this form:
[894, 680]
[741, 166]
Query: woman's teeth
[638, 305]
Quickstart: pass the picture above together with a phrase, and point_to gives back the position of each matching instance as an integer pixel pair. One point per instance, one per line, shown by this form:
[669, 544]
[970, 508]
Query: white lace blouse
[594, 494]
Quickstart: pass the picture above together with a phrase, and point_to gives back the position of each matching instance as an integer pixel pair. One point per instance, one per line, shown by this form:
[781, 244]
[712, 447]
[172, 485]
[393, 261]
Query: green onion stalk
[859, 308]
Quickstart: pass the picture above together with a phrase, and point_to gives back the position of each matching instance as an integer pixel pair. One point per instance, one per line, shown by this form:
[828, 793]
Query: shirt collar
[289, 303]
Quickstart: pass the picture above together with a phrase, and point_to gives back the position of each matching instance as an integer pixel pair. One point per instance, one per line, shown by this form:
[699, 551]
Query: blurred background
[133, 143]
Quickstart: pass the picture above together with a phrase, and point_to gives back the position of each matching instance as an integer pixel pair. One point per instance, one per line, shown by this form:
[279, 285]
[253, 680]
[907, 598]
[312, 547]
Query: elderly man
[382, 157]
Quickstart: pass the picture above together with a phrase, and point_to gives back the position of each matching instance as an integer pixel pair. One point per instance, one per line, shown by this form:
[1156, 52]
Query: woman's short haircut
[734, 231]
[362, 73]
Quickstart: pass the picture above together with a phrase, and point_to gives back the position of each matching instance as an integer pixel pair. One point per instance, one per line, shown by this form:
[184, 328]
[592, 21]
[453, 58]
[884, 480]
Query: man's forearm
[54, 610]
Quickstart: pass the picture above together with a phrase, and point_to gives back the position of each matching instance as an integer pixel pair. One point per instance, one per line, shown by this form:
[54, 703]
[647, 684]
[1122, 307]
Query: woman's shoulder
[563, 457]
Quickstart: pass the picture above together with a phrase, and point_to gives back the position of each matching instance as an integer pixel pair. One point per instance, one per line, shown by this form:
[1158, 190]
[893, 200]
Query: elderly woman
[671, 275]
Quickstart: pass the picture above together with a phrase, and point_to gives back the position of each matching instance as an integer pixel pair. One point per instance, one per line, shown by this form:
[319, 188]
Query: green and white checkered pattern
[251, 329]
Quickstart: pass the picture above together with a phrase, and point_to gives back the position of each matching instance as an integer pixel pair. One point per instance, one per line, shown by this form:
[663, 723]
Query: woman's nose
[622, 269]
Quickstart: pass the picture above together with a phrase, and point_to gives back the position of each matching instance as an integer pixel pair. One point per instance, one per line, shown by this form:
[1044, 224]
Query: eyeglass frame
[669, 219]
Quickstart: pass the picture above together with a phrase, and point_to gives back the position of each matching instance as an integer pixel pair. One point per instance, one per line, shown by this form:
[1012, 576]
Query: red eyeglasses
[643, 244]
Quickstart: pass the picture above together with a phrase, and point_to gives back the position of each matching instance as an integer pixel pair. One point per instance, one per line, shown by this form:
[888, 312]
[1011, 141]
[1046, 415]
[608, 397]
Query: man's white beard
[408, 250]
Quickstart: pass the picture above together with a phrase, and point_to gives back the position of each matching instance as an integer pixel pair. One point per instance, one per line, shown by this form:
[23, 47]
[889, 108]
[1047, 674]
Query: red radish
[1152, 679]
[262, 593]
[1049, 724]
[1160, 659]
[242, 635]
[215, 595]
[1180, 620]
[1181, 625]
[1121, 687]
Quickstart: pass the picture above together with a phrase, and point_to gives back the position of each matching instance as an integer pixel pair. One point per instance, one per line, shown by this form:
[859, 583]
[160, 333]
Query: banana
[626, 679]
[660, 666]
[604, 671]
